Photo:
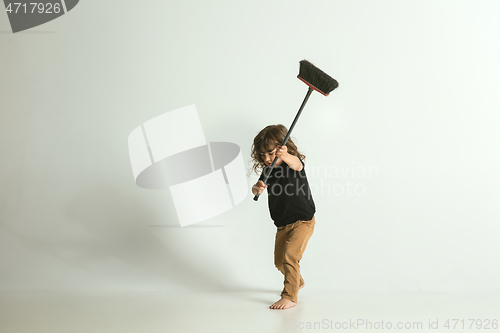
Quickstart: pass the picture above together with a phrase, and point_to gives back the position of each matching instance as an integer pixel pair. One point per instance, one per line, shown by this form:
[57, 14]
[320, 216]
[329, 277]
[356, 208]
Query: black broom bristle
[316, 78]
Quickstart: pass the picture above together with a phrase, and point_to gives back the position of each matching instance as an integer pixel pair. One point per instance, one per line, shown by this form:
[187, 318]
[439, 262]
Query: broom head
[316, 78]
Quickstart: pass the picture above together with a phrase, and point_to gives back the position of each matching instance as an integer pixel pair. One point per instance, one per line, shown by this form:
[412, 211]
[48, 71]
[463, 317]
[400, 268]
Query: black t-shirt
[289, 195]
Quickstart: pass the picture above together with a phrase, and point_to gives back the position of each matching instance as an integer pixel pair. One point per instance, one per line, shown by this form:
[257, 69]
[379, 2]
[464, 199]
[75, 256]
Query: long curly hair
[269, 138]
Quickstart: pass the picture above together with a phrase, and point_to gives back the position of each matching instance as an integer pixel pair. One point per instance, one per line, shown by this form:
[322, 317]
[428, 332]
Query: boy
[290, 204]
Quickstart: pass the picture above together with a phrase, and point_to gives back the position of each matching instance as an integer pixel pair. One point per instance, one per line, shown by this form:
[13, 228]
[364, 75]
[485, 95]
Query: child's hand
[282, 152]
[259, 187]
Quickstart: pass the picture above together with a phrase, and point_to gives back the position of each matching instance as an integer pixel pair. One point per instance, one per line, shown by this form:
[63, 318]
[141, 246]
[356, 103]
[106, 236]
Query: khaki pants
[291, 241]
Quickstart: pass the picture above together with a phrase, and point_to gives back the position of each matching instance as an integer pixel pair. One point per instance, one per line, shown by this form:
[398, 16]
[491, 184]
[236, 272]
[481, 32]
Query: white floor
[245, 311]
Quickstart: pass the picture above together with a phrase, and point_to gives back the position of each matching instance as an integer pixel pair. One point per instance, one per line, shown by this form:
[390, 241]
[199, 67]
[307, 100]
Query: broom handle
[309, 91]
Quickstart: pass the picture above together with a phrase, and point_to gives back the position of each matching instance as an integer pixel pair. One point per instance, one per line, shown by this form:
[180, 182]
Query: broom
[317, 80]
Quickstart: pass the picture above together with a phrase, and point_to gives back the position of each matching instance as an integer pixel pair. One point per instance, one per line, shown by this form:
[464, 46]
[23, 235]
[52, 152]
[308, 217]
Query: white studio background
[403, 156]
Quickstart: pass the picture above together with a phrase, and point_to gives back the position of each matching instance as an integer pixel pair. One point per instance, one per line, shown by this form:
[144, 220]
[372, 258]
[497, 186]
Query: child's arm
[258, 187]
[292, 161]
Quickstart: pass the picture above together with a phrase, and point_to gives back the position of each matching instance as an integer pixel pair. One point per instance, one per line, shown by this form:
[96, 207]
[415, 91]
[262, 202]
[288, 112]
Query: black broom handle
[309, 91]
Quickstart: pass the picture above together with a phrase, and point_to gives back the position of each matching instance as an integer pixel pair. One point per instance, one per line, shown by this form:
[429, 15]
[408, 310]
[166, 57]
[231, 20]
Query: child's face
[268, 157]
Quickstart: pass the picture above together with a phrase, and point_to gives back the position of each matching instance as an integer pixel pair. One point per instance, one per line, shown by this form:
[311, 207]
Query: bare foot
[283, 303]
